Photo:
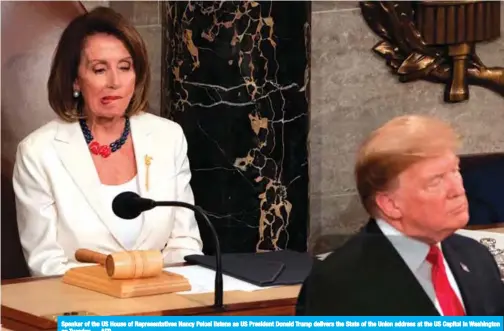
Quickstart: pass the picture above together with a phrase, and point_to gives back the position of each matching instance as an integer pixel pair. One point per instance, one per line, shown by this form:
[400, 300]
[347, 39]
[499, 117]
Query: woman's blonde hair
[67, 57]
[394, 147]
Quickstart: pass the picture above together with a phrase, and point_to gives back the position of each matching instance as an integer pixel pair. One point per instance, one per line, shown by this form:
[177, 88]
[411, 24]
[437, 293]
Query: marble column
[235, 77]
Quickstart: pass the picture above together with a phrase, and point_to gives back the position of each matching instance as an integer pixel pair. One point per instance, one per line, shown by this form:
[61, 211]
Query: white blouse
[127, 231]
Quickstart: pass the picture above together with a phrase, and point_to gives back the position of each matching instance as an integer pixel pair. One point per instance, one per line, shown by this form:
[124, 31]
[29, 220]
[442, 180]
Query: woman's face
[106, 76]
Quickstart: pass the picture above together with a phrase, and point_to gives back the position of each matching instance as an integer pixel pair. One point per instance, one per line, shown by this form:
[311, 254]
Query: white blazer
[58, 204]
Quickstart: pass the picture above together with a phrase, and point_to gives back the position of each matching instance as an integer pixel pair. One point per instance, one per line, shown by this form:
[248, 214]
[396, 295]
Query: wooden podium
[30, 304]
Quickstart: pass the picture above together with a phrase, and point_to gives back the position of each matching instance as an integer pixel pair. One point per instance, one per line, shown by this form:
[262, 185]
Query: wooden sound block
[95, 278]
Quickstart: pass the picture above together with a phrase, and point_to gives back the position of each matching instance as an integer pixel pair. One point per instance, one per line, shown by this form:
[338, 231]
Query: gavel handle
[89, 256]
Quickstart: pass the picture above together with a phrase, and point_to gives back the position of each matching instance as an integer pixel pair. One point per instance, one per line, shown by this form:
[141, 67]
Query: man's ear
[387, 205]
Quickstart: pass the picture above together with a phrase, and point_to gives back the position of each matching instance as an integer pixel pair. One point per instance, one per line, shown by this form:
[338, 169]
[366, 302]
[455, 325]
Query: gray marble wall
[352, 93]
[146, 16]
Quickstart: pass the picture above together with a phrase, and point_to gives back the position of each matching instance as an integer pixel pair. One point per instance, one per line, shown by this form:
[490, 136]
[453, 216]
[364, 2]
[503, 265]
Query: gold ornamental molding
[436, 41]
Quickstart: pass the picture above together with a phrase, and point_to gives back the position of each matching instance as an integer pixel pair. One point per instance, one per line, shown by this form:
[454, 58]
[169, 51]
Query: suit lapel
[75, 157]
[394, 284]
[465, 279]
[143, 146]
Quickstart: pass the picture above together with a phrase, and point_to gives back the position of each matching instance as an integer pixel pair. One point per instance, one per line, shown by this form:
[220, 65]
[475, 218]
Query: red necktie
[450, 303]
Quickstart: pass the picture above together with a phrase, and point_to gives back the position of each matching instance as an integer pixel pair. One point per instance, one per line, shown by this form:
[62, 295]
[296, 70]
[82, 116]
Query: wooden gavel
[127, 264]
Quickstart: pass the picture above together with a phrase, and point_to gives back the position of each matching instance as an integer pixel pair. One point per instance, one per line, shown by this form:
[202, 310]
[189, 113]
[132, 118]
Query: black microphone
[129, 205]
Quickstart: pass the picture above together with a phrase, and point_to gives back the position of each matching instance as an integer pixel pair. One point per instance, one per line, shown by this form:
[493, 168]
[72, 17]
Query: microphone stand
[219, 291]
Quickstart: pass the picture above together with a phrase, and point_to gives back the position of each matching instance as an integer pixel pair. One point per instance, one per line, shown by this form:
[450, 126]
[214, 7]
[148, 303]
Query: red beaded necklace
[104, 150]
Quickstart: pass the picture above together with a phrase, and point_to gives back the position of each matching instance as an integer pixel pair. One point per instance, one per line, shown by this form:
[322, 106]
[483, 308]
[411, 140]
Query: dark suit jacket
[368, 277]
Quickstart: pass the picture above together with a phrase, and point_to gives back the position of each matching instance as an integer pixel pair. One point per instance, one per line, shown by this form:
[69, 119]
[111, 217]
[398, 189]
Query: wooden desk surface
[28, 303]
[496, 227]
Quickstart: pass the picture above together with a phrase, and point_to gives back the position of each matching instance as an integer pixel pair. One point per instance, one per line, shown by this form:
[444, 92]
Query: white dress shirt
[414, 254]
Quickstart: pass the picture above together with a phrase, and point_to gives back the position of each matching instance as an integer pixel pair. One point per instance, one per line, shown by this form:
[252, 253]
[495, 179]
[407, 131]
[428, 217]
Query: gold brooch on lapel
[148, 160]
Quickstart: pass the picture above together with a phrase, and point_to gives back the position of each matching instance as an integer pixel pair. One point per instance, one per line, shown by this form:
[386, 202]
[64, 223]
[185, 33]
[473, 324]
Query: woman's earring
[76, 94]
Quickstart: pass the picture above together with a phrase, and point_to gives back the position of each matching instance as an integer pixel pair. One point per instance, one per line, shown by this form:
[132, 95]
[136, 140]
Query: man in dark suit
[407, 260]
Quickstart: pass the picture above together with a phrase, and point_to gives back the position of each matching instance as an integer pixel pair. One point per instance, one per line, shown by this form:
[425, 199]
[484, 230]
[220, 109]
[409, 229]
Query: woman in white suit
[68, 172]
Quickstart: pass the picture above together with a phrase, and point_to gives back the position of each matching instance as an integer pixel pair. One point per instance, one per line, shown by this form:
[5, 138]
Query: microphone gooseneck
[129, 205]
[219, 285]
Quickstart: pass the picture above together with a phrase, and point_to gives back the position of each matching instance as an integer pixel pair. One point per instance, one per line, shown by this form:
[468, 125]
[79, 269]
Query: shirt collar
[412, 251]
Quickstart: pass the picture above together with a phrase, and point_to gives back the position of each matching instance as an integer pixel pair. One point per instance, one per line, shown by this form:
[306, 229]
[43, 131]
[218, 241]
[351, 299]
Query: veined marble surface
[236, 79]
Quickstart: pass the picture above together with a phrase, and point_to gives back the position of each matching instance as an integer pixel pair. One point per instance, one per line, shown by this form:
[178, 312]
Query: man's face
[431, 198]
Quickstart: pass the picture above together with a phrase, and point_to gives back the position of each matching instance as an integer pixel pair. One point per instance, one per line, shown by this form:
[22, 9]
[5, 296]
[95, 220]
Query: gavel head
[134, 264]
